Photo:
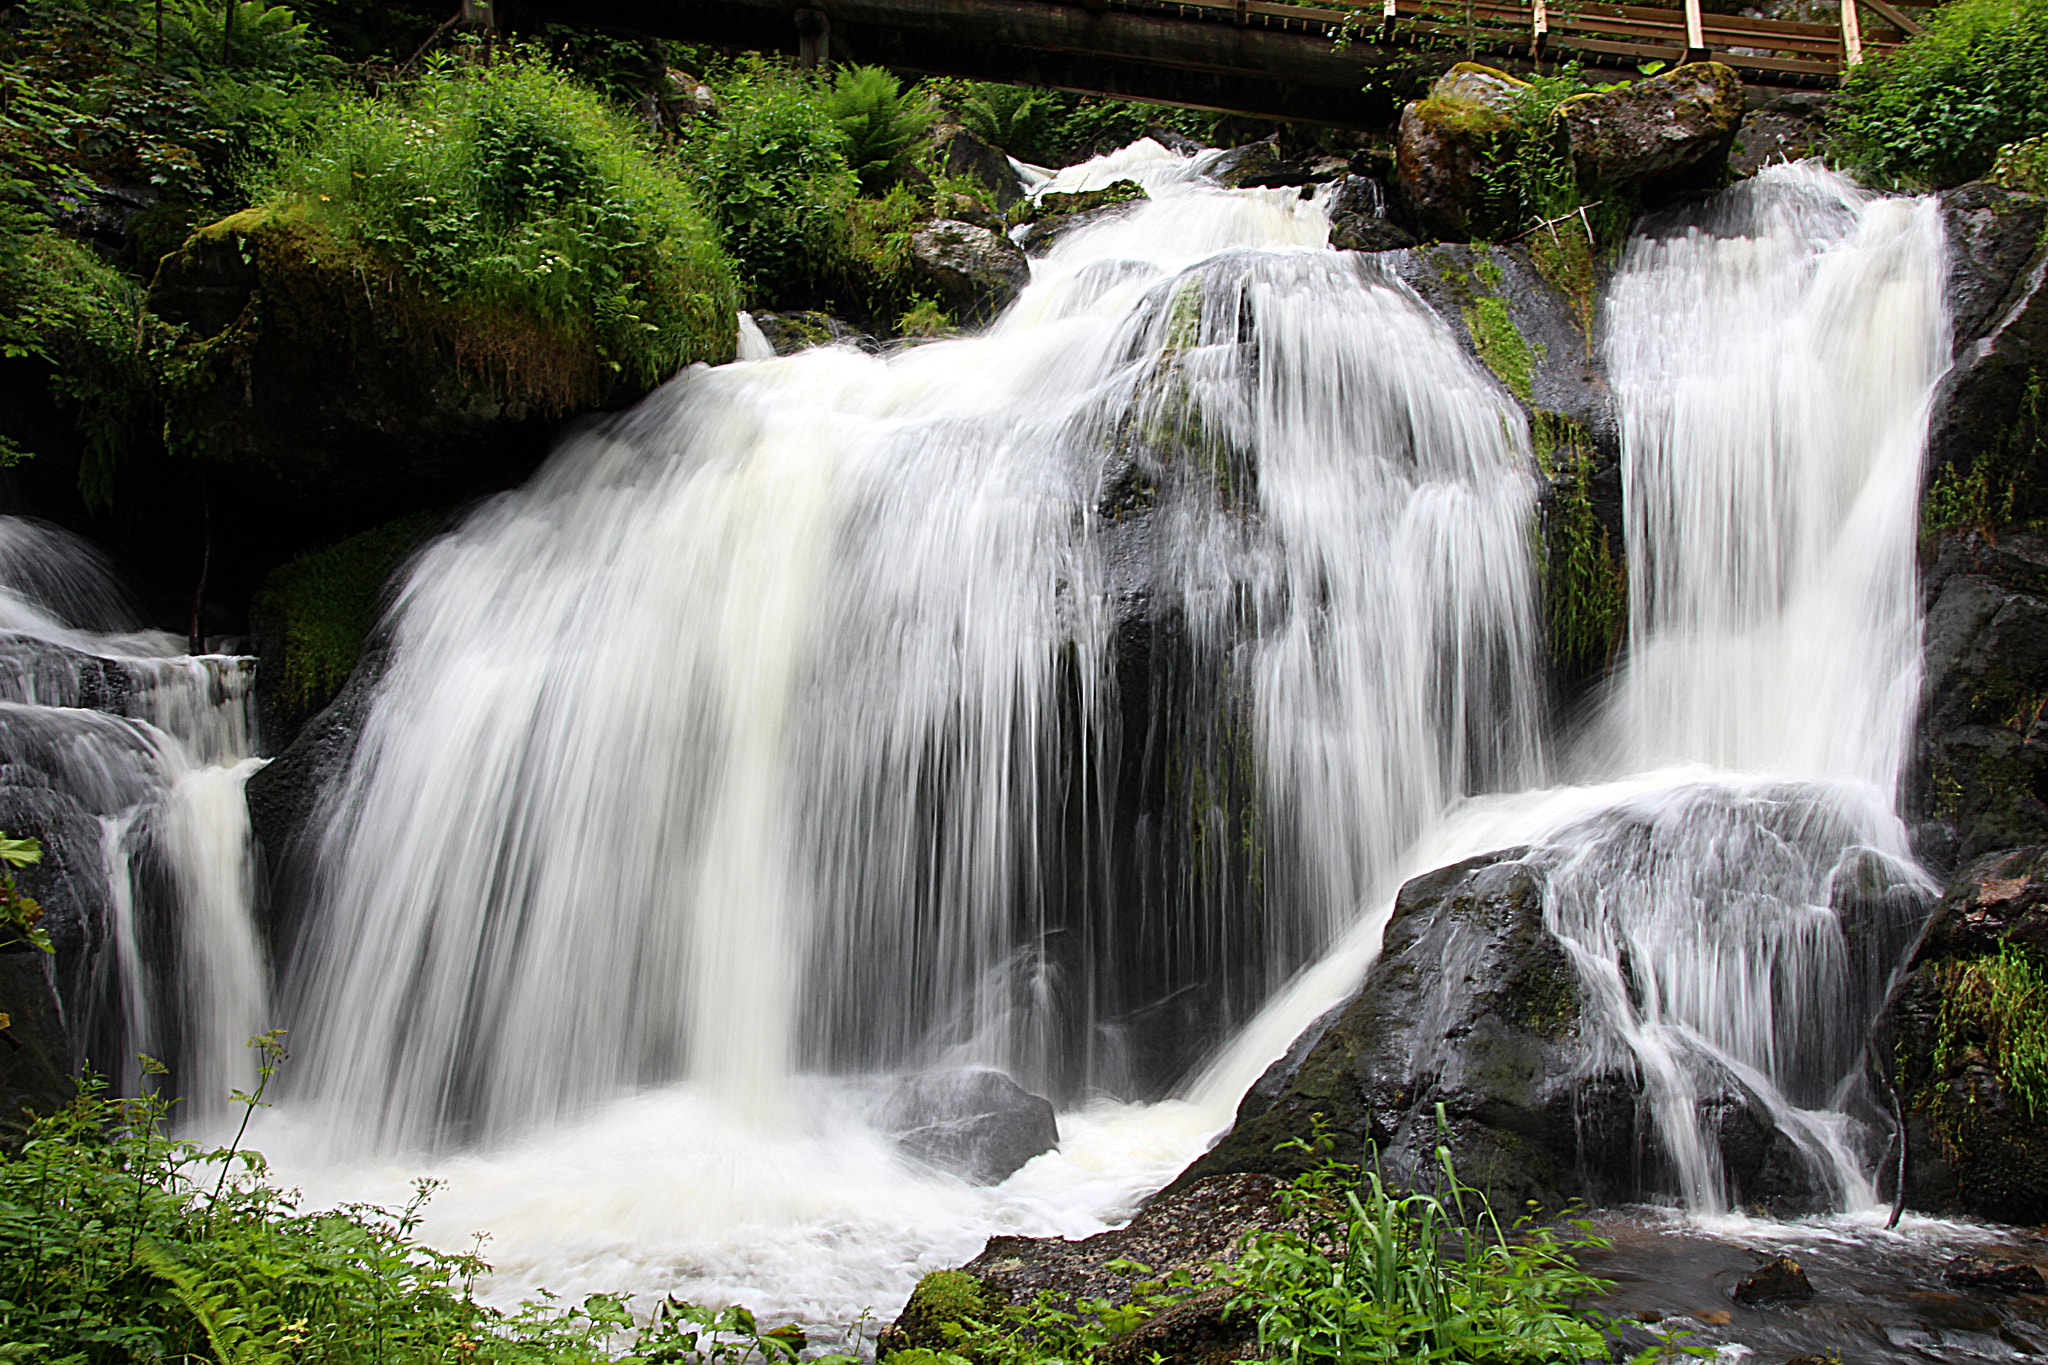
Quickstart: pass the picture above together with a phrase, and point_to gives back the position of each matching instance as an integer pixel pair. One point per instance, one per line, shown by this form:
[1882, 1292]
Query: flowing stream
[1072, 698]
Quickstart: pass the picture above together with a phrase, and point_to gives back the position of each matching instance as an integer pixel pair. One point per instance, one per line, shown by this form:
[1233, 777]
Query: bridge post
[1696, 49]
[1852, 36]
[1539, 28]
[813, 39]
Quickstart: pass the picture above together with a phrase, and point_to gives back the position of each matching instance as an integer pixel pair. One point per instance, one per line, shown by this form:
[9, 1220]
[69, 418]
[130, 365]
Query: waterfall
[128, 758]
[990, 701]
[1773, 360]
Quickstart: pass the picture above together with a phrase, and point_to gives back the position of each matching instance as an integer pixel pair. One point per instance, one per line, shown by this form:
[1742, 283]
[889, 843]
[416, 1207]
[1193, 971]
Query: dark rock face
[1998, 304]
[977, 1122]
[36, 1063]
[1979, 779]
[975, 271]
[1665, 134]
[1973, 1144]
[1473, 1006]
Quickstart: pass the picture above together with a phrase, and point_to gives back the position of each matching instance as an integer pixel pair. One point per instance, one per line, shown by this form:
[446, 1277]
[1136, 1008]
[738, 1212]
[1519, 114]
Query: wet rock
[976, 272]
[976, 1121]
[1668, 133]
[1776, 1280]
[1789, 127]
[1196, 1330]
[36, 1062]
[1446, 146]
[1240, 164]
[795, 331]
[1472, 1006]
[1998, 304]
[1979, 775]
[944, 1304]
[1186, 1227]
[1356, 206]
[1974, 1144]
[1050, 217]
[1985, 1272]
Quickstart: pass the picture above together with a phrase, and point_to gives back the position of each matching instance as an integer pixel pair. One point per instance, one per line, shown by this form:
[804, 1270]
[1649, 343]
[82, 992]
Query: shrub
[508, 192]
[880, 122]
[1055, 128]
[772, 167]
[1935, 111]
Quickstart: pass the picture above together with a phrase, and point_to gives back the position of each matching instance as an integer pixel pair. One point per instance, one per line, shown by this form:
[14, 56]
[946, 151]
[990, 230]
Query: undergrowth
[505, 190]
[2000, 1003]
[1936, 111]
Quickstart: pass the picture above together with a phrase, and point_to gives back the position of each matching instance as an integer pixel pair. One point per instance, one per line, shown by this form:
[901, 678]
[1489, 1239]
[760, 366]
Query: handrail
[1766, 47]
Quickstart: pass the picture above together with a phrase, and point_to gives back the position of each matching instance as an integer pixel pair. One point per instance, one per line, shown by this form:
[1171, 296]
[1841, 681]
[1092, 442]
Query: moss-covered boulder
[1052, 216]
[944, 1308]
[1658, 136]
[1447, 144]
[308, 362]
[1965, 1039]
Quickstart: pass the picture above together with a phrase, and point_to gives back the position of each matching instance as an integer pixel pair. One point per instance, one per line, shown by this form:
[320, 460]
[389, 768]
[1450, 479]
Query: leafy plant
[879, 121]
[1936, 110]
[20, 917]
[2000, 1002]
[772, 168]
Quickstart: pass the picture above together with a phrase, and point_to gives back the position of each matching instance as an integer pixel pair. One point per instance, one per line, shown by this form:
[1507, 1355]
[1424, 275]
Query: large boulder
[1474, 1007]
[1447, 143]
[1356, 206]
[1963, 1036]
[1787, 127]
[1670, 132]
[960, 153]
[975, 271]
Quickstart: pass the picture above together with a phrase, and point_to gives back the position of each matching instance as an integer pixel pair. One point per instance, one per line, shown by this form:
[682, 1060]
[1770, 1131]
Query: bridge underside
[1264, 71]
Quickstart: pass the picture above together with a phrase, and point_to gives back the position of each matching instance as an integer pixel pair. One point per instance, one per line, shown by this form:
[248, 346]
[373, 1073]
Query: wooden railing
[1602, 33]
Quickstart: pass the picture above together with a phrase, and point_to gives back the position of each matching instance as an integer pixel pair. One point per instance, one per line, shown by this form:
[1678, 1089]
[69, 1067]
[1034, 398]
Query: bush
[879, 121]
[1936, 111]
[1055, 128]
[772, 167]
[509, 192]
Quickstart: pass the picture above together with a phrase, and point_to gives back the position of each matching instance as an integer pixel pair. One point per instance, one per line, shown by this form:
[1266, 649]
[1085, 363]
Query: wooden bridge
[1321, 61]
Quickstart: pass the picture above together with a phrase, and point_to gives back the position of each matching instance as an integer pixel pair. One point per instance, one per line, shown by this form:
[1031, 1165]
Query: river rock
[800, 330]
[1052, 216]
[975, 1121]
[1777, 1279]
[975, 271]
[1788, 127]
[1973, 1144]
[1446, 143]
[1986, 1272]
[960, 152]
[1668, 133]
[1239, 165]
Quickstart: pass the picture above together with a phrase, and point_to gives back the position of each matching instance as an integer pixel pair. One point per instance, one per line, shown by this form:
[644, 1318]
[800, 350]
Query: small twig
[1551, 223]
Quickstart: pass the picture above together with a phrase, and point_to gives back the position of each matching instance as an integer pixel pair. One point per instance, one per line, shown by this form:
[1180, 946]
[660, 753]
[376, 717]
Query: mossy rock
[1448, 143]
[1059, 205]
[307, 360]
[943, 1310]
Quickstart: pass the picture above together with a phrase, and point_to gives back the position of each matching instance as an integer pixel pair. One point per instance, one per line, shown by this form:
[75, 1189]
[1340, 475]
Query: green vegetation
[1500, 345]
[528, 207]
[1998, 1003]
[1054, 128]
[878, 122]
[1585, 589]
[1357, 1273]
[21, 919]
[1936, 111]
[324, 605]
[1995, 488]
[119, 1243]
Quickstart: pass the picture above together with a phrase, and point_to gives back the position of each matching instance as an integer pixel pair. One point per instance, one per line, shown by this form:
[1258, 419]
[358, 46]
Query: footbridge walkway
[1297, 59]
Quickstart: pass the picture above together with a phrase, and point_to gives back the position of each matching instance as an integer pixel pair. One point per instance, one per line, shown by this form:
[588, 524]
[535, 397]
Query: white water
[632, 850]
[131, 757]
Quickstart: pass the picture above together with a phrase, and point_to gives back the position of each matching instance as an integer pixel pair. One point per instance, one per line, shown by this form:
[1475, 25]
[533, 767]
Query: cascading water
[1000, 699]
[128, 759]
[773, 728]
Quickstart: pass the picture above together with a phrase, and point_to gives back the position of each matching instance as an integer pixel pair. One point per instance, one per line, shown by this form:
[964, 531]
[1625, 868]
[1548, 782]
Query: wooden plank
[1539, 25]
[1852, 36]
[1906, 23]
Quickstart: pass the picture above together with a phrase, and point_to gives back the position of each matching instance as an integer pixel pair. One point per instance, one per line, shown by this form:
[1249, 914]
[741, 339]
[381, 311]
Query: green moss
[323, 606]
[945, 1309]
[1500, 346]
[1998, 1005]
[1585, 589]
[1078, 201]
